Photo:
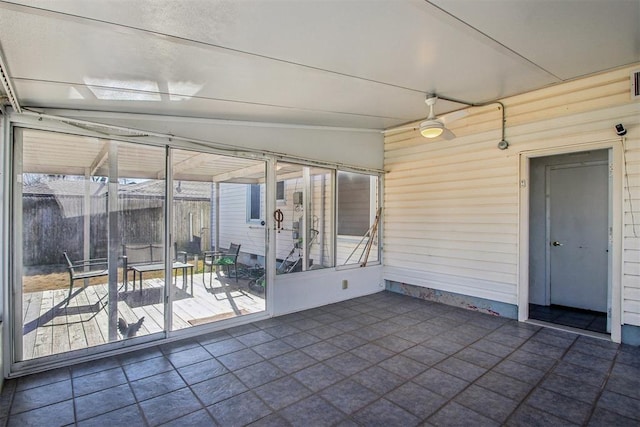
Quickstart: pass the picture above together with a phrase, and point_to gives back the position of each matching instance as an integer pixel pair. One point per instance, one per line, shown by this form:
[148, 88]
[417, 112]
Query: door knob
[556, 243]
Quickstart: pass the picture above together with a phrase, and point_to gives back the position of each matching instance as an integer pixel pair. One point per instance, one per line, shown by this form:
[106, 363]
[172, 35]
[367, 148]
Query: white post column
[114, 240]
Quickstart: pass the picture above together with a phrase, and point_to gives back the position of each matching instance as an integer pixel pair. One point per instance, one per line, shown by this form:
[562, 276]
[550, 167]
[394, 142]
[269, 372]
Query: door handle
[556, 243]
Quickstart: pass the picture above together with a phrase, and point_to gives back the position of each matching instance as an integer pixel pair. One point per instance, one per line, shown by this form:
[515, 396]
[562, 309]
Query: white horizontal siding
[321, 219]
[234, 227]
[631, 244]
[291, 213]
[284, 239]
[451, 219]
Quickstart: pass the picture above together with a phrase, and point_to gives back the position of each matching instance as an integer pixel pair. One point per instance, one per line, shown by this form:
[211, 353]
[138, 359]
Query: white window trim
[249, 202]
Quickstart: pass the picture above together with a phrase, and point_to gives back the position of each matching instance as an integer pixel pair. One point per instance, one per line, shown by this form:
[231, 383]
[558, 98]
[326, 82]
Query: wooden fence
[55, 223]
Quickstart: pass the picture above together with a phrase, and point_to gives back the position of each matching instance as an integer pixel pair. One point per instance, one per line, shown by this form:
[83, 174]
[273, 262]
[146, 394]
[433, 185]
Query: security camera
[620, 130]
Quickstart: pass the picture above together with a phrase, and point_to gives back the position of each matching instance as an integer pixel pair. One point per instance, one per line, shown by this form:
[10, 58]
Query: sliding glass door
[119, 241]
[218, 230]
[79, 204]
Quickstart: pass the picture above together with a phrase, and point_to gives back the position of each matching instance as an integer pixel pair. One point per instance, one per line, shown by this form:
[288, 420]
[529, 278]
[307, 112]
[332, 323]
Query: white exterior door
[578, 235]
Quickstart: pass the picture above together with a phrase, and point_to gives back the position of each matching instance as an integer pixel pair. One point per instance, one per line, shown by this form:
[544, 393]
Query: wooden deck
[51, 328]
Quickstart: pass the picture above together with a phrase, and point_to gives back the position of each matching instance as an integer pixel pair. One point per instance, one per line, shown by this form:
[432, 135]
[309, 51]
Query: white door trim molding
[615, 273]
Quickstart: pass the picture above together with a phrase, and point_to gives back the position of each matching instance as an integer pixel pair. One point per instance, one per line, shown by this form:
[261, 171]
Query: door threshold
[597, 335]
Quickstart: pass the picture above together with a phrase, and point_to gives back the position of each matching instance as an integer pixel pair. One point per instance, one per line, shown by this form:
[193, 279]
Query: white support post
[114, 240]
[306, 219]
[86, 225]
[217, 237]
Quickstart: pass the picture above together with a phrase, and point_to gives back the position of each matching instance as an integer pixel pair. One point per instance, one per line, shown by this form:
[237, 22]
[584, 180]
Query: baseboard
[483, 305]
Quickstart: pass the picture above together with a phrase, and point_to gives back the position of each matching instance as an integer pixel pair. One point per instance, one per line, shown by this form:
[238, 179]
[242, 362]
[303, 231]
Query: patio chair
[84, 269]
[215, 259]
[149, 257]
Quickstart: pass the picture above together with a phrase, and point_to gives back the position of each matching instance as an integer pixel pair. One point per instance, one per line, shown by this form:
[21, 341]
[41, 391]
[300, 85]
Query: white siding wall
[234, 227]
[451, 207]
[284, 239]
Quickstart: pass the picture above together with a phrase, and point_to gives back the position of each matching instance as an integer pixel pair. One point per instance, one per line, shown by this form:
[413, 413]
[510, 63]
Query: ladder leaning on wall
[369, 236]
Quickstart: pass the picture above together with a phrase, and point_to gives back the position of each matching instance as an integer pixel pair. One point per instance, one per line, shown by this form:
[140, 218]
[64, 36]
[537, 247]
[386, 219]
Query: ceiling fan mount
[431, 99]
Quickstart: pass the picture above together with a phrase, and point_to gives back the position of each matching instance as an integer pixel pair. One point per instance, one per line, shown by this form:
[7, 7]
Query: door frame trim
[616, 206]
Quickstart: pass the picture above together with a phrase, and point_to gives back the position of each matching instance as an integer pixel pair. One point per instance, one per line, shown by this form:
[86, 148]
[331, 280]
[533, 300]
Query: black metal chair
[215, 259]
[84, 269]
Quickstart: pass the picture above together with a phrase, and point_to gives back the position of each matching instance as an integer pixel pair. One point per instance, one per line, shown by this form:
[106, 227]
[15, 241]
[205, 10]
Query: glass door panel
[304, 204]
[218, 232]
[79, 204]
[138, 238]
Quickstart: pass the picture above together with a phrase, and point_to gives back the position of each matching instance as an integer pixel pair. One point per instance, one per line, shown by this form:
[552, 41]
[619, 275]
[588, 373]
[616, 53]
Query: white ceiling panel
[45, 94]
[568, 38]
[405, 40]
[154, 69]
[362, 63]
[114, 57]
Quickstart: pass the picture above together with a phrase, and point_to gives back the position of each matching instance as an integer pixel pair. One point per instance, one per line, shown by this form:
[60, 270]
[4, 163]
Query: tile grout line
[188, 385]
[290, 375]
[603, 385]
[543, 378]
[474, 381]
[13, 393]
[440, 335]
[429, 367]
[230, 372]
[135, 398]
[73, 398]
[349, 377]
[574, 345]
[275, 339]
[396, 353]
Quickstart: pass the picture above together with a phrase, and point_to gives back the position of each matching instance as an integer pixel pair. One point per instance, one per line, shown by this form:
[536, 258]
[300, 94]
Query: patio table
[142, 268]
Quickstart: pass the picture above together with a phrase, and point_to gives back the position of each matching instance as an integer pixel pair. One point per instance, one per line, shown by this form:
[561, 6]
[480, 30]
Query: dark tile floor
[379, 360]
[576, 318]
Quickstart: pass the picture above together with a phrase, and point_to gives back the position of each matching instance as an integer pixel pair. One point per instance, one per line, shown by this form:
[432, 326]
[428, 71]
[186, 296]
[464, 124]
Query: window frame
[281, 200]
[375, 205]
[250, 204]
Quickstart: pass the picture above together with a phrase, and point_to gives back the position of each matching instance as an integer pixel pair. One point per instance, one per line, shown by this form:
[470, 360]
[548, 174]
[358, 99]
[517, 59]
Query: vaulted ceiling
[359, 63]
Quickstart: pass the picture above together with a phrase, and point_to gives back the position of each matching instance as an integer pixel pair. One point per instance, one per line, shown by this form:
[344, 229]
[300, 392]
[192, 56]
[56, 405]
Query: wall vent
[635, 84]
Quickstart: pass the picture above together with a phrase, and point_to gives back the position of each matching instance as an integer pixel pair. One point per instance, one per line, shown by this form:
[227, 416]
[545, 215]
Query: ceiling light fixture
[434, 127]
[431, 130]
